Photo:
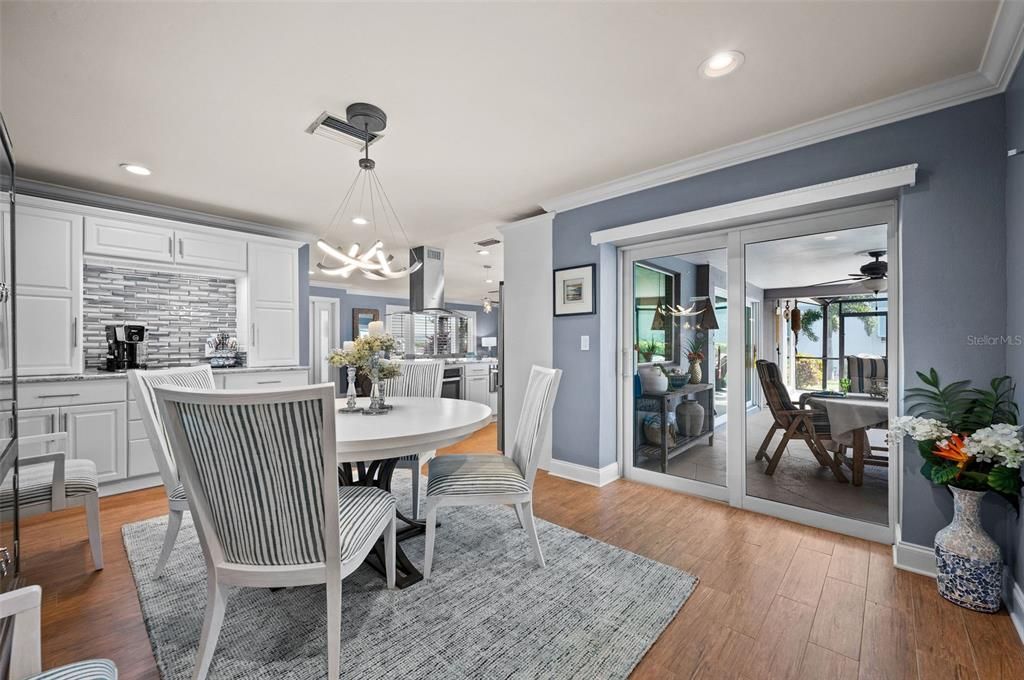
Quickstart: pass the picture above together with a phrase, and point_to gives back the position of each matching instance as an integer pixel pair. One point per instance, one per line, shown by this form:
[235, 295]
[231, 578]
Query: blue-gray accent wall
[1014, 269]
[953, 257]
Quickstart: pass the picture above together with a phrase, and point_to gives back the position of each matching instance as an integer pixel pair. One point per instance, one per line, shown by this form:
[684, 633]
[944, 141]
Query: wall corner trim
[673, 225]
[583, 473]
[1016, 606]
[912, 557]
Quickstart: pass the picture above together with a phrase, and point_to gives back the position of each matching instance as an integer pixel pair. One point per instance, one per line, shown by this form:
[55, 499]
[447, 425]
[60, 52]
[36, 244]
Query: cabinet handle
[269, 382]
[170, 246]
[53, 423]
[74, 332]
[57, 396]
[252, 336]
[65, 428]
[181, 247]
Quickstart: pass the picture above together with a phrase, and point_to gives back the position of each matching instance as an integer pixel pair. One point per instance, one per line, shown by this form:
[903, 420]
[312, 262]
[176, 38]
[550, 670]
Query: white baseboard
[913, 557]
[583, 473]
[1016, 607]
[126, 485]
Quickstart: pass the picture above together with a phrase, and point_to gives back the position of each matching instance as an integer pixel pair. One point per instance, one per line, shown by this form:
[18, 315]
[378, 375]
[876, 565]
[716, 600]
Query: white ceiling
[492, 107]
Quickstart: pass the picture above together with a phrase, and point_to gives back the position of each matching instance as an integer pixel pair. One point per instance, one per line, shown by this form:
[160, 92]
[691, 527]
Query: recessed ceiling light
[136, 169]
[721, 64]
[361, 221]
[483, 251]
[830, 238]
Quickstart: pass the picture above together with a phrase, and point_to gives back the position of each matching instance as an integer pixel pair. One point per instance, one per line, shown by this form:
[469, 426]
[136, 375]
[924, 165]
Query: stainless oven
[453, 385]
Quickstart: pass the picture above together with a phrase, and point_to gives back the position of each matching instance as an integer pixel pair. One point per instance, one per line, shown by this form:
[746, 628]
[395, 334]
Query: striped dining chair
[417, 379]
[261, 476]
[142, 383]
[489, 479]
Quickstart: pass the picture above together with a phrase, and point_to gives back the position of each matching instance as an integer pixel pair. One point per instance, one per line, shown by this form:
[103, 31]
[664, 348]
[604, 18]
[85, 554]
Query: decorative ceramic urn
[969, 563]
[653, 379]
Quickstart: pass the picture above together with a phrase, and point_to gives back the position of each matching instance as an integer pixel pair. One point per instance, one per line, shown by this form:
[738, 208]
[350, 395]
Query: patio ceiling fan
[873, 275]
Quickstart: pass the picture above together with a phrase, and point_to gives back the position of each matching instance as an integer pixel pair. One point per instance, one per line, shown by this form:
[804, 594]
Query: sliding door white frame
[736, 239]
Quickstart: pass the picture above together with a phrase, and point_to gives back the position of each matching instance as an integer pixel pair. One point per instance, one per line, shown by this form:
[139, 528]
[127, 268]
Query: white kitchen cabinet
[226, 253]
[49, 278]
[97, 432]
[271, 295]
[260, 380]
[477, 389]
[123, 238]
[38, 421]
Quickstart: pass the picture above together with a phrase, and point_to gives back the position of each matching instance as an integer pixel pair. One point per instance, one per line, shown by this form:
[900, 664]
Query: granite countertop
[106, 375]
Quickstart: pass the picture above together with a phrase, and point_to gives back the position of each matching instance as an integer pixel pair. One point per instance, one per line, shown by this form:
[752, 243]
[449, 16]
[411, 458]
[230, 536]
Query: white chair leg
[173, 524]
[389, 551]
[531, 529]
[428, 552]
[519, 516]
[333, 629]
[92, 519]
[416, 492]
[216, 602]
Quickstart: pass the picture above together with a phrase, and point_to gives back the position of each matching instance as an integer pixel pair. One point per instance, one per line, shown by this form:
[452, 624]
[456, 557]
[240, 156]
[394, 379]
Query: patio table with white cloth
[850, 418]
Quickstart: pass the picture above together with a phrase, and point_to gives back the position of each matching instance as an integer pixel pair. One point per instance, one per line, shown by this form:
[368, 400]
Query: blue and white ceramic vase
[969, 563]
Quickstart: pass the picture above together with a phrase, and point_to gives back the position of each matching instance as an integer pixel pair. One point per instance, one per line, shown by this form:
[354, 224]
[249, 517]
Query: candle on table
[376, 328]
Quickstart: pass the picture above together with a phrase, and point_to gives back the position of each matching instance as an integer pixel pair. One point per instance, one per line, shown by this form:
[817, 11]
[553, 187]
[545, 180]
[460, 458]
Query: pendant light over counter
[373, 208]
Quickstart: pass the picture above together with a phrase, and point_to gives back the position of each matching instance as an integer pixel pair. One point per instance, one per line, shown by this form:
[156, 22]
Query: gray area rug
[488, 611]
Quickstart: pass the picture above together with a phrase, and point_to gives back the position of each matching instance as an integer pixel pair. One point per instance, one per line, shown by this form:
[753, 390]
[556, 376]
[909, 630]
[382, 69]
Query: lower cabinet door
[38, 421]
[98, 432]
[477, 389]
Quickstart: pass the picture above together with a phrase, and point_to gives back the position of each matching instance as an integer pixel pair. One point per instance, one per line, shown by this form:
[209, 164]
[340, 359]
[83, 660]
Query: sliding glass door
[807, 337]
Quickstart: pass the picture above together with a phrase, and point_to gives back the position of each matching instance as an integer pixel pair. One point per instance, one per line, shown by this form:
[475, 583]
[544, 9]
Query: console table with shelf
[665, 403]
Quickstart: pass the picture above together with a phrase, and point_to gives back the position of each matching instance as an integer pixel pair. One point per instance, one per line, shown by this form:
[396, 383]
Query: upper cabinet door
[135, 240]
[273, 275]
[273, 305]
[207, 250]
[49, 294]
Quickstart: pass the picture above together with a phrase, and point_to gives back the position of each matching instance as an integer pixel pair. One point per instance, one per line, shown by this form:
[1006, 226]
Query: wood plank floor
[776, 600]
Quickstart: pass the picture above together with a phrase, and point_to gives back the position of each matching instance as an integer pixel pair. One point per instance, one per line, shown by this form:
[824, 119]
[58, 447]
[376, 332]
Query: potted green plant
[971, 443]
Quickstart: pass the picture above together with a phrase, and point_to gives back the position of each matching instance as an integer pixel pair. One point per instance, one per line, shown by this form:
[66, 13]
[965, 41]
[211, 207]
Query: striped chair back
[260, 471]
[862, 370]
[534, 420]
[418, 379]
[142, 384]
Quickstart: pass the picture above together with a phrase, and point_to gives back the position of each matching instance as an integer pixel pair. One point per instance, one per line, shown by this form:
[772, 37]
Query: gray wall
[304, 306]
[1014, 259]
[955, 214]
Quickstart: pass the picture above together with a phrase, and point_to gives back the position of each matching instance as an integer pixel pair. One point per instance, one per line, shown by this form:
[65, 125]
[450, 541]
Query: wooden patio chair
[808, 425]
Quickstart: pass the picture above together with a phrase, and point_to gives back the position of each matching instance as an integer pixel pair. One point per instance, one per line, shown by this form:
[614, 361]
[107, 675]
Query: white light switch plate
[584, 342]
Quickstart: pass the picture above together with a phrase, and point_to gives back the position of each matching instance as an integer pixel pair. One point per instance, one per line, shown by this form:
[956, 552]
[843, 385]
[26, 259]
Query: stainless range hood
[426, 284]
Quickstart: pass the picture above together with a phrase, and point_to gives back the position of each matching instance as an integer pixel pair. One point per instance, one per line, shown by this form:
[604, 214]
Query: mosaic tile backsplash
[180, 311]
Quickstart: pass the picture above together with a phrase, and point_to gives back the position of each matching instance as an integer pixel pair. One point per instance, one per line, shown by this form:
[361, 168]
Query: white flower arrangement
[1000, 444]
[918, 429]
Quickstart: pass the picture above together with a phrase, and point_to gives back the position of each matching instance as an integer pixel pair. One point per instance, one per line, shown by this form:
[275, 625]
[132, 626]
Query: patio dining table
[369, 448]
[850, 418]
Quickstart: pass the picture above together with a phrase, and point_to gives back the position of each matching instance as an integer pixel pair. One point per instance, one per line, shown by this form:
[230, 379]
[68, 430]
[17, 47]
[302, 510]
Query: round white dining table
[414, 425]
[369, 447]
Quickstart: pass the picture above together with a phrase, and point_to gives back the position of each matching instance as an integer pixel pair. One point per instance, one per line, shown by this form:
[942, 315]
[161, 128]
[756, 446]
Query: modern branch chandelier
[373, 208]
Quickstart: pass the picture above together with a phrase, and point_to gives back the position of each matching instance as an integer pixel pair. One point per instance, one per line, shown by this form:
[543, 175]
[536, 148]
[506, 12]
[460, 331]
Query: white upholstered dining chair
[24, 604]
[142, 383]
[488, 479]
[50, 483]
[418, 379]
[261, 476]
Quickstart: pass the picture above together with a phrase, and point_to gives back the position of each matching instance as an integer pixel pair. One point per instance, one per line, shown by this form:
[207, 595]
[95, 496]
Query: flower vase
[969, 563]
[696, 374]
[350, 395]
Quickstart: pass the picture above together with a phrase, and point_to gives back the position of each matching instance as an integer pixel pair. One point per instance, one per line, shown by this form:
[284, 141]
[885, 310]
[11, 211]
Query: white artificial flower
[1000, 444]
[919, 429]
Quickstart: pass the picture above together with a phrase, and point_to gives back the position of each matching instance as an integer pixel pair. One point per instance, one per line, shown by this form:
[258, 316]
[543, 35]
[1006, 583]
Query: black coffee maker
[126, 347]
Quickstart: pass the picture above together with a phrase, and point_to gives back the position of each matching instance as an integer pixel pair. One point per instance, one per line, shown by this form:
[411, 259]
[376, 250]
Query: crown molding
[1002, 54]
[94, 199]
